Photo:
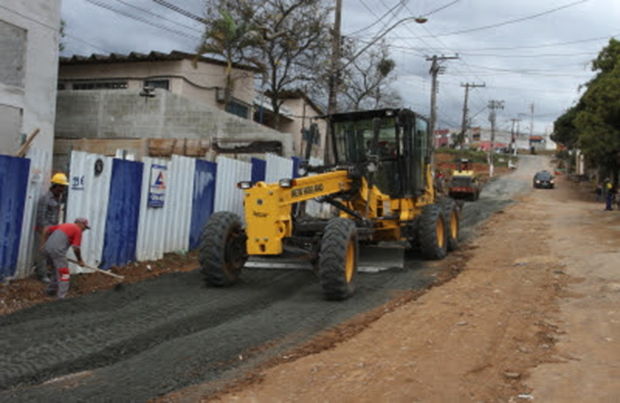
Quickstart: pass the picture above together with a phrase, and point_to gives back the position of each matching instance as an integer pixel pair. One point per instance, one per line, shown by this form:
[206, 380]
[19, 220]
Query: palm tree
[233, 42]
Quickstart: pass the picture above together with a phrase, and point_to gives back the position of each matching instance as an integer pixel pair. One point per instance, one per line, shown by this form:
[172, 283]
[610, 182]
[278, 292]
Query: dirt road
[532, 316]
[148, 339]
[478, 336]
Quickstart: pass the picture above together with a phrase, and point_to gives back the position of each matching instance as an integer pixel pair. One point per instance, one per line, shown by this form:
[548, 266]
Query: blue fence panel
[14, 175]
[296, 162]
[203, 199]
[259, 168]
[121, 230]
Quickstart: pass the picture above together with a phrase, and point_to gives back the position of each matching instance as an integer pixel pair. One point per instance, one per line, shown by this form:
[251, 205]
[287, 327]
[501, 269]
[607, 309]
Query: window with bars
[163, 84]
[100, 85]
[237, 109]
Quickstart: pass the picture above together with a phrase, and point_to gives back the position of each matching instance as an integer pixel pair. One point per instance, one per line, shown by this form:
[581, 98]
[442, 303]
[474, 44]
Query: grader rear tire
[453, 223]
[338, 259]
[432, 232]
[223, 251]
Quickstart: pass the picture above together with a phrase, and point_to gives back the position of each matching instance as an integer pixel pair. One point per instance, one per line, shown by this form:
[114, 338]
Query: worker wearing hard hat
[48, 214]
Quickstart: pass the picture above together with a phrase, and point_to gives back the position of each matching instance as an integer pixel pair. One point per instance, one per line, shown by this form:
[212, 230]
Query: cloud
[529, 61]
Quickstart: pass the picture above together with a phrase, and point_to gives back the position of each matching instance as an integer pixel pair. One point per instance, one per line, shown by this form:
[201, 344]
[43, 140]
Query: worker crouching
[57, 239]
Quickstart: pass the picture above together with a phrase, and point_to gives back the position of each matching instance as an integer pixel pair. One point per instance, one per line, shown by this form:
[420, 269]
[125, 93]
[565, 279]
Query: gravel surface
[144, 340]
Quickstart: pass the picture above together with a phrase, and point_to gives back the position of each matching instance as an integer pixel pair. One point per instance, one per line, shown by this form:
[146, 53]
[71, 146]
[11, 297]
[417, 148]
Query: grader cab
[380, 185]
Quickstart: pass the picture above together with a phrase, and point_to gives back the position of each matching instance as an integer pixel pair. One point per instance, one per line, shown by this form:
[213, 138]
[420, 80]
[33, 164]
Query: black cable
[180, 10]
[57, 30]
[144, 10]
[140, 19]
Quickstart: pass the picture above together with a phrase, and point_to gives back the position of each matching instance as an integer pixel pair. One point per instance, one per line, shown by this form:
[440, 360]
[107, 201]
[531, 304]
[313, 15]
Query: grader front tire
[223, 250]
[338, 259]
[432, 232]
[453, 223]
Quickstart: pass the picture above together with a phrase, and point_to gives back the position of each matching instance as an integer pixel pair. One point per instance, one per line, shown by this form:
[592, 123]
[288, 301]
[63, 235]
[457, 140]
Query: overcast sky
[525, 52]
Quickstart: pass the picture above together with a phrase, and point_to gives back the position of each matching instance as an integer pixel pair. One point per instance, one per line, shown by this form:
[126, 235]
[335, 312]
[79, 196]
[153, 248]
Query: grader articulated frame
[381, 186]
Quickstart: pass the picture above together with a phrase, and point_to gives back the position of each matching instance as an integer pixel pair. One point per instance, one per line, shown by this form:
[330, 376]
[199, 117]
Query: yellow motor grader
[380, 184]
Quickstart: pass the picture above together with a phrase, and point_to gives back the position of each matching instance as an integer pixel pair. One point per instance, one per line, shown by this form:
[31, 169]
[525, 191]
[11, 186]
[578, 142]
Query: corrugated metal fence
[137, 210]
[14, 178]
[40, 164]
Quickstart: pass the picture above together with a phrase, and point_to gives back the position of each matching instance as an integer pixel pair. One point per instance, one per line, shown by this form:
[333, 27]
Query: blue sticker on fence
[259, 169]
[203, 199]
[14, 174]
[121, 228]
[157, 185]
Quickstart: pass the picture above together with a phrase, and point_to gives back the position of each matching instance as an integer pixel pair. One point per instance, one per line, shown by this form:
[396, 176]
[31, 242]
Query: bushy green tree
[593, 125]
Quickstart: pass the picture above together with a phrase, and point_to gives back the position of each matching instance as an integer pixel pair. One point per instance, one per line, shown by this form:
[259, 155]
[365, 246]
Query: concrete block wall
[29, 64]
[125, 114]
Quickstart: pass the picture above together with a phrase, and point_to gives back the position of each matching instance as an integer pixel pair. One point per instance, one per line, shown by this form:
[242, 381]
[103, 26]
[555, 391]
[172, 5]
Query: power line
[180, 10]
[141, 19]
[531, 56]
[55, 29]
[550, 45]
[375, 22]
[509, 22]
[159, 16]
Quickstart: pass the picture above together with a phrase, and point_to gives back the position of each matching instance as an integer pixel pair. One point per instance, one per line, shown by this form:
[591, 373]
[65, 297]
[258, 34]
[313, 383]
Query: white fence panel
[89, 190]
[178, 203]
[278, 168]
[152, 224]
[40, 173]
[313, 208]
[227, 196]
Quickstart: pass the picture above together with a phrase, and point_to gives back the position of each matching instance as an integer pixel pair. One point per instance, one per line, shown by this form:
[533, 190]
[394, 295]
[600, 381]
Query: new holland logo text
[307, 190]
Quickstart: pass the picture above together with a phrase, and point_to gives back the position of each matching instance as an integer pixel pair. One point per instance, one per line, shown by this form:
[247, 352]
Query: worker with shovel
[56, 241]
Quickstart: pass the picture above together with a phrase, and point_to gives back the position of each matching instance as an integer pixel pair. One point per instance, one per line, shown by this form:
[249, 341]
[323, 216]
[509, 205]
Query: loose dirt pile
[20, 294]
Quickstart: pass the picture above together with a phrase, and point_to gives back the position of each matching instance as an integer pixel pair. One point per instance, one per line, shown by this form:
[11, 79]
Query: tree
[365, 82]
[234, 42]
[593, 125]
[565, 132]
[294, 44]
[598, 122]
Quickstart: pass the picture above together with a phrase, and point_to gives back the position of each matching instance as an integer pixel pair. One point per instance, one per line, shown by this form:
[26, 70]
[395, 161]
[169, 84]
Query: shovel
[109, 273]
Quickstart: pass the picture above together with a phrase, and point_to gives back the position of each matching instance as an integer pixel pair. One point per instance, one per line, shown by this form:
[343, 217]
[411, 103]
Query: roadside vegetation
[592, 125]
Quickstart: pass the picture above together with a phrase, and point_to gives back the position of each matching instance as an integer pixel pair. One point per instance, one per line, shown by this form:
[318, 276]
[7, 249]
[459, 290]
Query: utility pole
[435, 70]
[513, 137]
[493, 105]
[334, 78]
[466, 111]
[532, 120]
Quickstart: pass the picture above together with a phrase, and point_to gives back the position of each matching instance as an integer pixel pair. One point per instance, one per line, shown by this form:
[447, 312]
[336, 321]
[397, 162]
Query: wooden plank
[106, 147]
[187, 147]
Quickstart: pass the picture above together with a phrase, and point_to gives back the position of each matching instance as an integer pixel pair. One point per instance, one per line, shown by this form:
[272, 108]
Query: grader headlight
[286, 183]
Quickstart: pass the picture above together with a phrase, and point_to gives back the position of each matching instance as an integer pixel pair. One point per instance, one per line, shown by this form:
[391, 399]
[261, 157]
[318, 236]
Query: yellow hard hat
[60, 179]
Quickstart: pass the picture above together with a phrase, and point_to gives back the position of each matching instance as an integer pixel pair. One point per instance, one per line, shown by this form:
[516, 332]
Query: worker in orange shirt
[57, 239]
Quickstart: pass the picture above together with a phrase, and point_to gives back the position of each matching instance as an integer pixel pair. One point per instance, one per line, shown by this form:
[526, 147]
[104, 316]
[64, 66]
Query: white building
[29, 35]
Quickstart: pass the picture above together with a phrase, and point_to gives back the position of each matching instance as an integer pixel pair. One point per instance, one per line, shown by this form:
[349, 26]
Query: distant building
[29, 35]
[192, 77]
[442, 138]
[179, 95]
[297, 112]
